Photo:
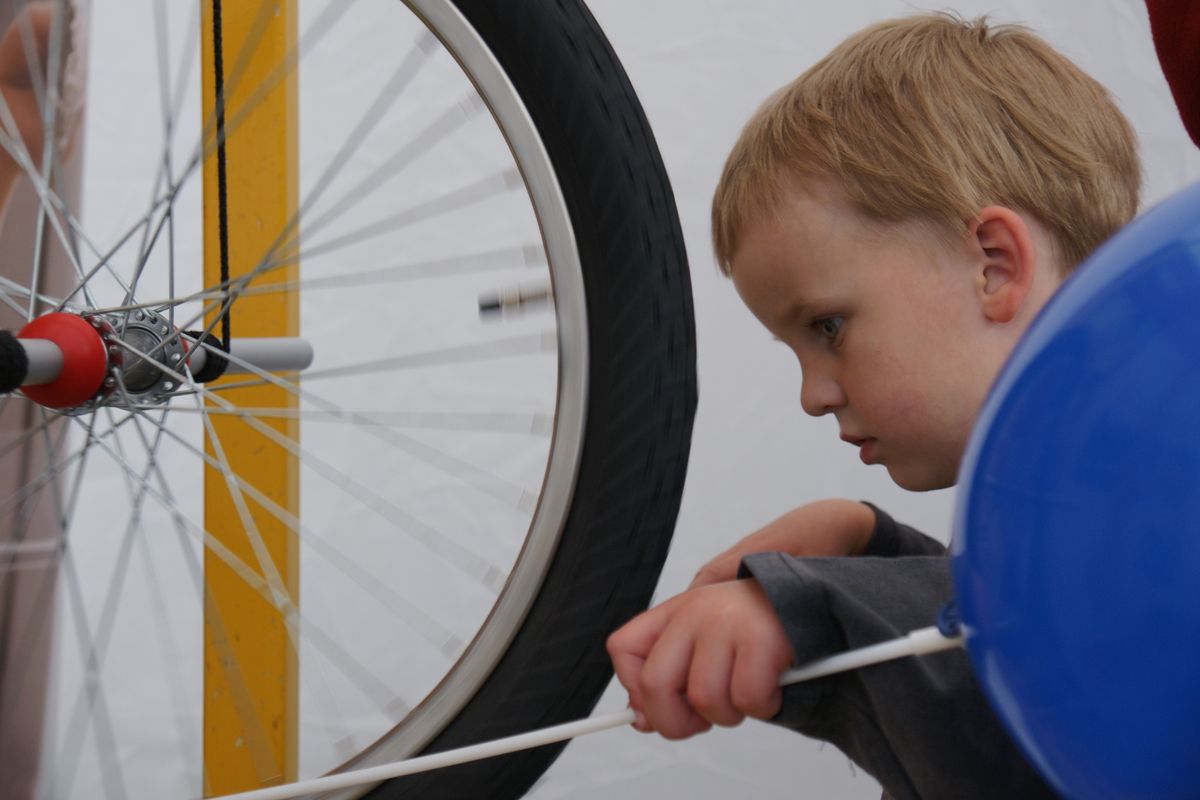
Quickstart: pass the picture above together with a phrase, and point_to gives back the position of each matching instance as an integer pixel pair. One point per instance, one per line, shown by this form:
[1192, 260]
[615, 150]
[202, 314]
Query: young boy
[897, 216]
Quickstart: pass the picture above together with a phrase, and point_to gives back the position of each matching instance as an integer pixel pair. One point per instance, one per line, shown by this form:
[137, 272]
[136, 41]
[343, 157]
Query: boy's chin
[921, 477]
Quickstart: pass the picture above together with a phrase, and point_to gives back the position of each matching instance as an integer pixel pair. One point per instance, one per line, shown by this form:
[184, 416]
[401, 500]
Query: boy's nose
[820, 394]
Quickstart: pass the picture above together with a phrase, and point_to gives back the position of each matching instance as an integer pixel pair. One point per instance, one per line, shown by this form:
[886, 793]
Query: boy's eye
[829, 327]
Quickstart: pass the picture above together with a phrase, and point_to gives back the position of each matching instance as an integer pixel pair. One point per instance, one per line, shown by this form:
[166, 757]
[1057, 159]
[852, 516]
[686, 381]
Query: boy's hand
[823, 528]
[711, 655]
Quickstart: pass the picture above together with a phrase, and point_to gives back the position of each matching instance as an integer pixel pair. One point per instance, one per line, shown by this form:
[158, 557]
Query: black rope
[222, 204]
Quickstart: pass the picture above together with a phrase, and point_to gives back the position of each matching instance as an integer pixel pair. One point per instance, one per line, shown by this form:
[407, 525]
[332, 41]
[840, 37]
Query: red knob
[85, 360]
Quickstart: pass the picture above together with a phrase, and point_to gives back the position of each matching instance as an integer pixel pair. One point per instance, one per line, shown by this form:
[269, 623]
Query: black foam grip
[14, 362]
[214, 362]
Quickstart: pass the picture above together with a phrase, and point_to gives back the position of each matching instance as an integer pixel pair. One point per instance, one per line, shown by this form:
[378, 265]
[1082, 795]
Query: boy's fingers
[715, 571]
[662, 683]
[696, 724]
[629, 645]
[754, 682]
[754, 690]
[708, 682]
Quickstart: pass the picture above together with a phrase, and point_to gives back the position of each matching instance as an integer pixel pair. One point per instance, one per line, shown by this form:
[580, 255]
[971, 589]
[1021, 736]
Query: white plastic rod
[919, 642]
[449, 758]
[45, 361]
[269, 354]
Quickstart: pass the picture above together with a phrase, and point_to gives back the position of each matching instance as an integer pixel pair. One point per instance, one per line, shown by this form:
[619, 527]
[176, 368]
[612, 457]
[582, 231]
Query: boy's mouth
[866, 447]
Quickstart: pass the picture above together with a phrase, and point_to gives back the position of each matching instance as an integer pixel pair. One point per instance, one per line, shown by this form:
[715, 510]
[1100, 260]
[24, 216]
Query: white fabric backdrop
[701, 68]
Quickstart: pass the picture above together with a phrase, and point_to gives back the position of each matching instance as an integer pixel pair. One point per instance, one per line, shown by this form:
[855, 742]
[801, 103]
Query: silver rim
[493, 639]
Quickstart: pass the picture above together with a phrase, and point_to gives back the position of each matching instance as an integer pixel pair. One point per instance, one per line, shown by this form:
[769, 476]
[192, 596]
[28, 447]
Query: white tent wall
[700, 69]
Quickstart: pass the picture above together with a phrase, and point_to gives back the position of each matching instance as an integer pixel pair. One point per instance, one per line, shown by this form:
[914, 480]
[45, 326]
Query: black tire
[641, 401]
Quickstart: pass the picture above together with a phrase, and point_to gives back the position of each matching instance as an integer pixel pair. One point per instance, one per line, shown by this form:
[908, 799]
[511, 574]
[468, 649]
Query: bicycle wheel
[476, 499]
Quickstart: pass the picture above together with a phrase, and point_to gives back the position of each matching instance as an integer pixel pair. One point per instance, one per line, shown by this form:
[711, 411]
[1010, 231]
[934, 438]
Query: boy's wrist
[864, 523]
[890, 538]
[880, 542]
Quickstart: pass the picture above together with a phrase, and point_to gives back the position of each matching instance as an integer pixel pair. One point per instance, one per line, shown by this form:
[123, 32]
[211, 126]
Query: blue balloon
[1077, 530]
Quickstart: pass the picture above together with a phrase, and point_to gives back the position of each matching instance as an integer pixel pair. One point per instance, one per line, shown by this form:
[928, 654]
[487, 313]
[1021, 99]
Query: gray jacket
[920, 726]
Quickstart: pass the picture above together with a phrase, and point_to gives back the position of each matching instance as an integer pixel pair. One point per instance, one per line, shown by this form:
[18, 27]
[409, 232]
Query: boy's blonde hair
[933, 118]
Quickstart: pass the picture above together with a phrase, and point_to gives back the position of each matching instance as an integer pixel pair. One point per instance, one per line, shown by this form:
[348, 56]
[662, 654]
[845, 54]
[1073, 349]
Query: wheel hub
[145, 332]
[106, 359]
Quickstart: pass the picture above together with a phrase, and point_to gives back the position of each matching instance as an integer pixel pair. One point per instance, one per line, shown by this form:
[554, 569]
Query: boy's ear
[1006, 261]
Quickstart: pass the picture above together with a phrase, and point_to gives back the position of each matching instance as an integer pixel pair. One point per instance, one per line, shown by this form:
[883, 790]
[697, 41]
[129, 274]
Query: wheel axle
[74, 363]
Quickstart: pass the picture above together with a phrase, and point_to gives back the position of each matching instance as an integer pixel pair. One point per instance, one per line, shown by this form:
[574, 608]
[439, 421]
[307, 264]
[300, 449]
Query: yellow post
[250, 664]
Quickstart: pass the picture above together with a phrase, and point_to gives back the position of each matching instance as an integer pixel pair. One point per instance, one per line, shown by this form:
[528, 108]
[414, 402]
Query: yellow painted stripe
[250, 665]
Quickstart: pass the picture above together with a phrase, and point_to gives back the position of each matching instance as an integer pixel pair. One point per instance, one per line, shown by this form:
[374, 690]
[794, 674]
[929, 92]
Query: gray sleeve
[920, 726]
[891, 538]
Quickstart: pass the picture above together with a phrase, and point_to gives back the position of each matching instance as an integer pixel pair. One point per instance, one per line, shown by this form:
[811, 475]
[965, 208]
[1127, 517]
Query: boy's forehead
[805, 217]
[774, 270]
[815, 252]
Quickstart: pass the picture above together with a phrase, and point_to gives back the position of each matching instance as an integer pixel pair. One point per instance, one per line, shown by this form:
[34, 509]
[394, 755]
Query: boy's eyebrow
[798, 309]
[794, 310]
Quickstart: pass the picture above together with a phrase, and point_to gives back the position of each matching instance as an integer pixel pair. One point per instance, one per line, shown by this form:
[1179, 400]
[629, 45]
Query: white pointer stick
[918, 642]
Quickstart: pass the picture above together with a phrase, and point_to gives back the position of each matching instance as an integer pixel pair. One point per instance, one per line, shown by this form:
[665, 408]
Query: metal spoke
[465, 560]
[270, 572]
[330, 717]
[479, 479]
[476, 192]
[296, 625]
[30, 47]
[55, 468]
[24, 437]
[243, 702]
[9, 285]
[438, 543]
[208, 141]
[96, 705]
[391, 92]
[187, 60]
[149, 239]
[395, 86]
[509, 347]
[48, 198]
[136, 485]
[175, 686]
[11, 303]
[77, 484]
[49, 475]
[38, 624]
[89, 705]
[162, 57]
[277, 596]
[431, 630]
[436, 132]
[169, 111]
[49, 131]
[531, 423]
[104, 261]
[388, 96]
[167, 447]
[36, 483]
[151, 447]
[502, 258]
